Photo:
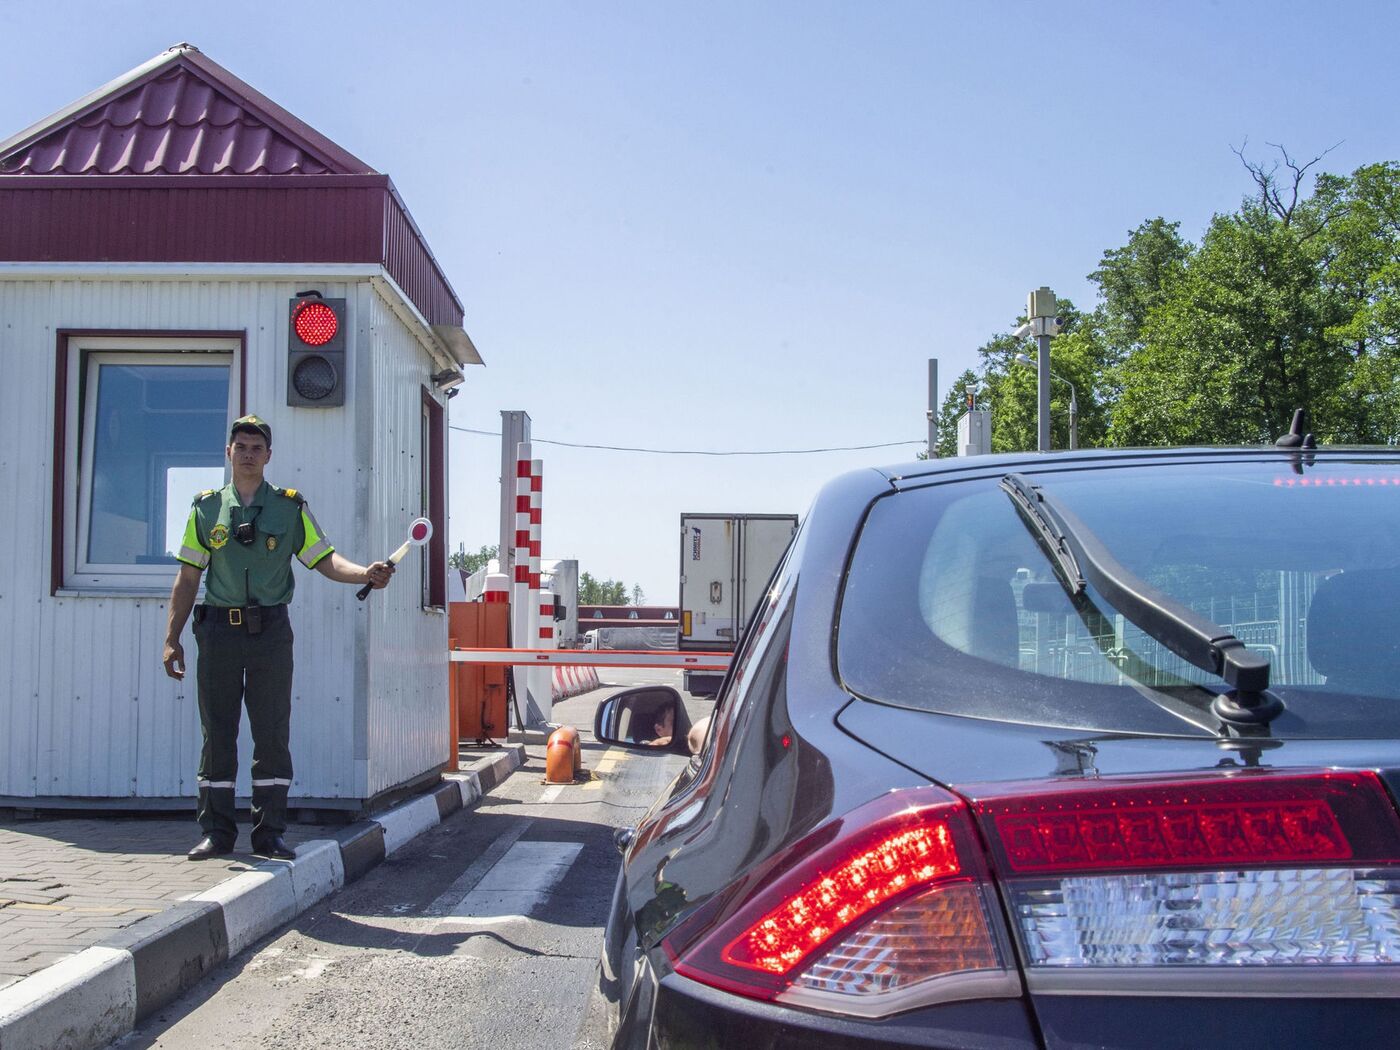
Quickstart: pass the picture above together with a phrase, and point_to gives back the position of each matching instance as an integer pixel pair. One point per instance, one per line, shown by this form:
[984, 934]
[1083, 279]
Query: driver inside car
[664, 728]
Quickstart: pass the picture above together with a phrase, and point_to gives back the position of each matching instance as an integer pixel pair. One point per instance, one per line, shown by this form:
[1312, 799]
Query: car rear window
[951, 605]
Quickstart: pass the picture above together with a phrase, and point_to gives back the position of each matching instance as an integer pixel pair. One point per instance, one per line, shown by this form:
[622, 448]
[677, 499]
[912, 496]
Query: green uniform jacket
[259, 572]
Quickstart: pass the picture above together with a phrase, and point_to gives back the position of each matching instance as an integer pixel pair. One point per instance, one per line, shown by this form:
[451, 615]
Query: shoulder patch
[292, 494]
[206, 494]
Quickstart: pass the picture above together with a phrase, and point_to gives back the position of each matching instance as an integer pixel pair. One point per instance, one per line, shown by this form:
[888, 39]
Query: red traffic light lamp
[316, 366]
[314, 322]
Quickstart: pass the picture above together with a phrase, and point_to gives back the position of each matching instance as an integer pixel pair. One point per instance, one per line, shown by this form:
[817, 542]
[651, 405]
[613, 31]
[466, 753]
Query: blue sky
[738, 226]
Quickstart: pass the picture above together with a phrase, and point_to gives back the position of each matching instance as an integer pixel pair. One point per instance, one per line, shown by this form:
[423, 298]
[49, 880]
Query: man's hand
[343, 570]
[182, 596]
[175, 660]
[379, 573]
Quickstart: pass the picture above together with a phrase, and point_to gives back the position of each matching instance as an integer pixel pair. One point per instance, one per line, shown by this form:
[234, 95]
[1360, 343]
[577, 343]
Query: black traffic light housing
[315, 351]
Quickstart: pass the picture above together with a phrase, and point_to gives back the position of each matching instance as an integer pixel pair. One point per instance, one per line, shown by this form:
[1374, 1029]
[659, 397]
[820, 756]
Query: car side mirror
[651, 718]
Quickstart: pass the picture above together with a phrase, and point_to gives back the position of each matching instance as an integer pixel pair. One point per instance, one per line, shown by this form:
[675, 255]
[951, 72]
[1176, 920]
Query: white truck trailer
[726, 561]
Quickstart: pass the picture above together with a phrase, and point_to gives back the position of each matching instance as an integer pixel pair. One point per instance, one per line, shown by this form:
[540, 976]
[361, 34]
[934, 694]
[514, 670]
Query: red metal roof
[180, 161]
[179, 114]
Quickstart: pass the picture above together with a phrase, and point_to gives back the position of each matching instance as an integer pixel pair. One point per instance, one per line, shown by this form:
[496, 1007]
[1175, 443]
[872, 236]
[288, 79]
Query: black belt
[235, 615]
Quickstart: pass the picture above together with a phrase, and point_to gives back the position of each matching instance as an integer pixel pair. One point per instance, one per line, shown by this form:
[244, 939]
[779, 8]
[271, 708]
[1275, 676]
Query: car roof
[921, 472]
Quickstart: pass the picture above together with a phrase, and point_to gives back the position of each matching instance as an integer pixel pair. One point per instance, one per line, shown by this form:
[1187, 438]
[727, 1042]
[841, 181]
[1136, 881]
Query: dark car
[1085, 750]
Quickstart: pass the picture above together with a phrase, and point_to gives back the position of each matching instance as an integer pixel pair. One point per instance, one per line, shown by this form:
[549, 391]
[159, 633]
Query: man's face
[248, 454]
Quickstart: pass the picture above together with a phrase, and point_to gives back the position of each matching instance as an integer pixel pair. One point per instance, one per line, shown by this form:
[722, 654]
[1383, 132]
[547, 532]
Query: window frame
[433, 500]
[79, 354]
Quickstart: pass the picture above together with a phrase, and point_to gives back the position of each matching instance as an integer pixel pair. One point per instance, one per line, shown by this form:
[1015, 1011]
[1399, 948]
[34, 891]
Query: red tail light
[876, 912]
[1223, 879]
[1190, 821]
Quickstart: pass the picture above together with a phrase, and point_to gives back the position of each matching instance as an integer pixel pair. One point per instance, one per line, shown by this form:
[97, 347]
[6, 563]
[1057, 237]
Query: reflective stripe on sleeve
[214, 784]
[315, 546]
[198, 559]
[272, 782]
[192, 551]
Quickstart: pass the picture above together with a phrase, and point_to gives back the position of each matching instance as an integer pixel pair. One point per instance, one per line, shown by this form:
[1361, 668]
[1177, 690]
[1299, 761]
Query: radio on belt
[420, 531]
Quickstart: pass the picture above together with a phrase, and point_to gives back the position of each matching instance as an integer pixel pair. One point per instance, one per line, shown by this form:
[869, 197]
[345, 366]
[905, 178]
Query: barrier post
[521, 636]
[539, 678]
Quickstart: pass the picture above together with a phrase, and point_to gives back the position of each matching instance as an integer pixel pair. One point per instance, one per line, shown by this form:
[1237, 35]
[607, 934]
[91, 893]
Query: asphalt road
[485, 931]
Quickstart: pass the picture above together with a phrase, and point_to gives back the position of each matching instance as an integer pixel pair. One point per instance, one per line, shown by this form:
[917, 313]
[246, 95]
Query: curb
[103, 992]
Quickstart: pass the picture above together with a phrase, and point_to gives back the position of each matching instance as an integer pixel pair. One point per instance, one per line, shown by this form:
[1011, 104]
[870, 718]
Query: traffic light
[315, 351]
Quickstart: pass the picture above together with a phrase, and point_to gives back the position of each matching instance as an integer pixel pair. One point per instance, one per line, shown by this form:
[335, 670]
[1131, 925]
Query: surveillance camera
[1022, 332]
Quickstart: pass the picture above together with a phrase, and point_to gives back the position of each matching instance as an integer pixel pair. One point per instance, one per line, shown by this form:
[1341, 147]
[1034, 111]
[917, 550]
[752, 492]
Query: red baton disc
[419, 532]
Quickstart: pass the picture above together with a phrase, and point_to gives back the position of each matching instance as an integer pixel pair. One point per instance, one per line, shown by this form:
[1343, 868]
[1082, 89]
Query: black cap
[251, 423]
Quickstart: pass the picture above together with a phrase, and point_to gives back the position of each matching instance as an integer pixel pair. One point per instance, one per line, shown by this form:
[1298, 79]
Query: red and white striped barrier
[496, 589]
[589, 659]
[546, 619]
[571, 681]
[539, 681]
[525, 596]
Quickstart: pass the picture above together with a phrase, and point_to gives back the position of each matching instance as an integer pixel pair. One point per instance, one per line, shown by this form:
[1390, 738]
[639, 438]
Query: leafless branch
[1279, 195]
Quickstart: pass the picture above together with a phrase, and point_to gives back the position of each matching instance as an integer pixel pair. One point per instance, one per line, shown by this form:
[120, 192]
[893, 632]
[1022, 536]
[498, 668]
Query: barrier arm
[702, 661]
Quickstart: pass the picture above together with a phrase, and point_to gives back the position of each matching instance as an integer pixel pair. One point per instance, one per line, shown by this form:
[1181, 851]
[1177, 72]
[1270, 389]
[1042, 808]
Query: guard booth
[158, 241]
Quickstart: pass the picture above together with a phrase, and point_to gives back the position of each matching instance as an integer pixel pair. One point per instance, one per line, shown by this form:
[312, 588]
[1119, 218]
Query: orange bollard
[562, 759]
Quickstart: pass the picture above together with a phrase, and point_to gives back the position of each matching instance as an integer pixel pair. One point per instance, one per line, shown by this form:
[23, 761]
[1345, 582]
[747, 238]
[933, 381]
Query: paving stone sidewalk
[67, 884]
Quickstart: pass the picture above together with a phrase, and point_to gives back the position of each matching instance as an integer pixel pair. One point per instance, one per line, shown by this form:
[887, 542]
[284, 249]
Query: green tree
[1292, 300]
[1364, 271]
[469, 563]
[1135, 279]
[1241, 337]
[592, 591]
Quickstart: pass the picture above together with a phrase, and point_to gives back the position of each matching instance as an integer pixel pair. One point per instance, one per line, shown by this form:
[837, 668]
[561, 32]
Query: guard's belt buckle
[235, 617]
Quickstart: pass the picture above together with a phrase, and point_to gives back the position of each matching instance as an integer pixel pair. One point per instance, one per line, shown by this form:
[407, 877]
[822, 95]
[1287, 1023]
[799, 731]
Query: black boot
[273, 846]
[210, 846]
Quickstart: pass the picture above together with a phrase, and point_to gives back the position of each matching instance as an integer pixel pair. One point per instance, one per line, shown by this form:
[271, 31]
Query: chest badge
[218, 536]
[272, 543]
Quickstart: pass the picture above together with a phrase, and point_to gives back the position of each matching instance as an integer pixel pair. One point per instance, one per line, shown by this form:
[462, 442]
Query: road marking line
[517, 884]
[552, 792]
[607, 767]
[476, 871]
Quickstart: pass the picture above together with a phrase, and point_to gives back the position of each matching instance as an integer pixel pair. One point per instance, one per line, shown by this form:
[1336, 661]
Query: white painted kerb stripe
[318, 871]
[86, 1000]
[517, 884]
[254, 903]
[469, 784]
[407, 822]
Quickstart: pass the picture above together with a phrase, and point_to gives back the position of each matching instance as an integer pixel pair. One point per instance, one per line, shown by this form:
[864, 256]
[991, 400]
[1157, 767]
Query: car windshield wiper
[1080, 558]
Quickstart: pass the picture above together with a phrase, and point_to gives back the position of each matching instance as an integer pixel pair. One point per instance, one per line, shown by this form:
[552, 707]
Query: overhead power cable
[697, 452]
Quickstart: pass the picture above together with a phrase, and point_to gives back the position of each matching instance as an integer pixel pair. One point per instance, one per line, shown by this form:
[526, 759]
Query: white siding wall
[85, 707]
[407, 722]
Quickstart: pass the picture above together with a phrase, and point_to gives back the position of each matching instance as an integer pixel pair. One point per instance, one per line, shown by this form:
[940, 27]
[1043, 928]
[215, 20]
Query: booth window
[433, 486]
[145, 421]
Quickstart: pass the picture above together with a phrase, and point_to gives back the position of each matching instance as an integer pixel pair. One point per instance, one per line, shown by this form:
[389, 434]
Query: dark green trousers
[238, 668]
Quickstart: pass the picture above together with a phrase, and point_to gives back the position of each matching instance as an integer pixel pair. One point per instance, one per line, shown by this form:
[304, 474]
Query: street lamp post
[1022, 359]
[1043, 322]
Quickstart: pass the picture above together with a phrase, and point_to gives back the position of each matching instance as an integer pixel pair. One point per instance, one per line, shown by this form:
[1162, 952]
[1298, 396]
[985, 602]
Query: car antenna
[1296, 438]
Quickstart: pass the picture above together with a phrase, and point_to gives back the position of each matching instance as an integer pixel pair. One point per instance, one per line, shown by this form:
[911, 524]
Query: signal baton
[419, 533]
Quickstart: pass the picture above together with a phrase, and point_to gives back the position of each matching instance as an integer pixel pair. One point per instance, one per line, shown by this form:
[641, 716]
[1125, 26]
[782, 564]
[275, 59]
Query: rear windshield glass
[951, 605]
